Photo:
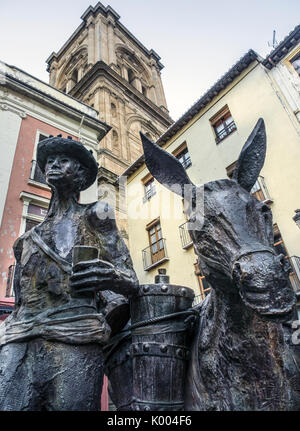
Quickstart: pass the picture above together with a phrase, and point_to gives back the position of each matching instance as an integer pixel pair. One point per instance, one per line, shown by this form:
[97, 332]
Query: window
[35, 215]
[149, 187]
[295, 62]
[115, 139]
[156, 253]
[74, 77]
[144, 91]
[156, 241]
[10, 281]
[35, 209]
[113, 109]
[36, 174]
[203, 285]
[30, 224]
[131, 76]
[182, 154]
[223, 124]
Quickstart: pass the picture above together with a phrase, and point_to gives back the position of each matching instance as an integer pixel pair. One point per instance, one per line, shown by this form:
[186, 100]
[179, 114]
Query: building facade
[207, 140]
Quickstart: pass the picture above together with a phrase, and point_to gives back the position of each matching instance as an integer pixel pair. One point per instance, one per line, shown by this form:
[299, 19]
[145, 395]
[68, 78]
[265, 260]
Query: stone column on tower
[97, 49]
[156, 83]
[111, 42]
[91, 40]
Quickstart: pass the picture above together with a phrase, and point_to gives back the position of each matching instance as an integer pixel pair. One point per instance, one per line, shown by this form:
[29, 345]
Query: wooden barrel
[160, 350]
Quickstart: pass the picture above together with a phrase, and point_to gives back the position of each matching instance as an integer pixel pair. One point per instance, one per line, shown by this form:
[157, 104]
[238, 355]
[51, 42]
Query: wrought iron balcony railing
[36, 174]
[155, 254]
[229, 128]
[148, 194]
[186, 163]
[185, 237]
[260, 191]
[10, 281]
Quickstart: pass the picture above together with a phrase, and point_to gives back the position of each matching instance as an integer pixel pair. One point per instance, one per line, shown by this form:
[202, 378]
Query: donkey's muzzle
[263, 283]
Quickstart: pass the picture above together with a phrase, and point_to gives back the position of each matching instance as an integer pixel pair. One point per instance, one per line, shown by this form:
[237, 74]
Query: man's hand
[97, 275]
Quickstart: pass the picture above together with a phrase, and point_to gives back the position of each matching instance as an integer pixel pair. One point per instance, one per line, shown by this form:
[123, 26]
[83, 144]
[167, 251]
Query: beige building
[207, 140]
[106, 67]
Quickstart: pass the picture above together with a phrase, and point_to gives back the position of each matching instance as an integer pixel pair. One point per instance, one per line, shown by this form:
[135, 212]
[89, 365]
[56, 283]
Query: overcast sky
[198, 40]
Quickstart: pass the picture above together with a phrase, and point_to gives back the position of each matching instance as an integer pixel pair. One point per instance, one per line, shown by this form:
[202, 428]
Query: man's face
[60, 170]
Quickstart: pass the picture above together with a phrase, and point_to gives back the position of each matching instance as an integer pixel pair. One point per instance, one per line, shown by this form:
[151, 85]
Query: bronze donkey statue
[240, 359]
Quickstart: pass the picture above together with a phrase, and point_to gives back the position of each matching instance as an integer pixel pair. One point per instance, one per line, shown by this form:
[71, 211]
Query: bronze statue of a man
[51, 345]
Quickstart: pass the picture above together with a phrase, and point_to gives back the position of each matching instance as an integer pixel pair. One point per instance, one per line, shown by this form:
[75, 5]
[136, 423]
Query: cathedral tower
[105, 66]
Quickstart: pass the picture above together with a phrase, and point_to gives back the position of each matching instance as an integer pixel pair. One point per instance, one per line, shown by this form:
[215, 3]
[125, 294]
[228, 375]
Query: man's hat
[59, 145]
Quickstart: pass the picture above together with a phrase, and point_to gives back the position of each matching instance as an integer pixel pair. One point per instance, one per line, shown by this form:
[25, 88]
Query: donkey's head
[233, 233]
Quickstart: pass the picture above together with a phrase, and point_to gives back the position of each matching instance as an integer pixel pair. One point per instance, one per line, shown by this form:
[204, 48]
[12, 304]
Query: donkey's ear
[164, 167]
[252, 157]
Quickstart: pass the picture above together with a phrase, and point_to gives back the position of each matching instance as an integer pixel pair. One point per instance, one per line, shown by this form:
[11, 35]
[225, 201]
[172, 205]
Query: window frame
[296, 57]
[160, 252]
[220, 119]
[148, 193]
[34, 165]
[181, 150]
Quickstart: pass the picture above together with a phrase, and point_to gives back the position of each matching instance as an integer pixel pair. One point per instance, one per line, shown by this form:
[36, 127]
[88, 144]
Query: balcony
[185, 237]
[10, 281]
[148, 194]
[186, 162]
[260, 191]
[155, 254]
[227, 130]
[36, 174]
[295, 273]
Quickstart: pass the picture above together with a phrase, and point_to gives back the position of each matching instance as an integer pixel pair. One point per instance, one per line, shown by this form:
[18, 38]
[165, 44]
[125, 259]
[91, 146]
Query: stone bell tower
[105, 66]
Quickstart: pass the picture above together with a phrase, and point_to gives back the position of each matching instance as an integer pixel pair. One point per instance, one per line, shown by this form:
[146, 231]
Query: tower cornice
[106, 12]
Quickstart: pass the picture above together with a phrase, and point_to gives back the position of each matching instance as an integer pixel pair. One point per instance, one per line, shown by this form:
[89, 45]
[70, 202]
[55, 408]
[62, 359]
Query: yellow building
[208, 139]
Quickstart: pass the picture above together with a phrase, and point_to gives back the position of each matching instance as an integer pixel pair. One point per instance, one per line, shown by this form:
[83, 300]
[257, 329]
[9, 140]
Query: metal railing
[228, 128]
[295, 273]
[185, 237]
[36, 174]
[155, 254]
[260, 190]
[10, 281]
[149, 193]
[186, 163]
